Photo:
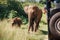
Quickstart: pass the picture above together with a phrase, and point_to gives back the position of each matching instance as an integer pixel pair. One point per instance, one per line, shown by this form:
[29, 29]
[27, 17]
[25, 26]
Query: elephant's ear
[26, 9]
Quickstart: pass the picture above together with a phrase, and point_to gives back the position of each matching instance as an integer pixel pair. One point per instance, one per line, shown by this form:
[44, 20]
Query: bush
[12, 9]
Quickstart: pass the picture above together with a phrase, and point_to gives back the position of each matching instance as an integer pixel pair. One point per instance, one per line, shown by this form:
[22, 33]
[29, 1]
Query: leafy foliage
[12, 9]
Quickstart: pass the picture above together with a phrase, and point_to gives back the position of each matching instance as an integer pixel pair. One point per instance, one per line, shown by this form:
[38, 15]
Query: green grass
[7, 32]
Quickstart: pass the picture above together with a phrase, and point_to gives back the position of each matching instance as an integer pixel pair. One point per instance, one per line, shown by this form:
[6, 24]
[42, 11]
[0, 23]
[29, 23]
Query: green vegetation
[14, 8]
[11, 9]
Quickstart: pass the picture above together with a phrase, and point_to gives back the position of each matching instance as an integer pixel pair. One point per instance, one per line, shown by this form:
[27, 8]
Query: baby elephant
[17, 21]
[34, 16]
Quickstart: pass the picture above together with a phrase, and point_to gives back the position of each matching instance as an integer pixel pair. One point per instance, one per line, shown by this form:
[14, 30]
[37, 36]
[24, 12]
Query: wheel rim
[57, 25]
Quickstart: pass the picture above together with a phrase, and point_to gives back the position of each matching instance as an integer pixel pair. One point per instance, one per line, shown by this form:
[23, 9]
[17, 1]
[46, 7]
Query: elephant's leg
[13, 24]
[30, 26]
[36, 24]
[19, 24]
[37, 20]
[30, 22]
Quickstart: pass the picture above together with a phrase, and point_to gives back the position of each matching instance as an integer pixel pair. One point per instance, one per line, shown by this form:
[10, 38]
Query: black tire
[54, 24]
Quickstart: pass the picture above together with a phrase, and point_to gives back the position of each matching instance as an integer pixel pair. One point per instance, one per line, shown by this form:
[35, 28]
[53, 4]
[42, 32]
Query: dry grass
[7, 32]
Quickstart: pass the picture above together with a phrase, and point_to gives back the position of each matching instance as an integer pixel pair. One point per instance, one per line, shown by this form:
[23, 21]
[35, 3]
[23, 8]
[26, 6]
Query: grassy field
[7, 32]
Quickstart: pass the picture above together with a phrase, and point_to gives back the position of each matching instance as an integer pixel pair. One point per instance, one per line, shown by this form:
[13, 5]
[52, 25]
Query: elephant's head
[26, 9]
[30, 9]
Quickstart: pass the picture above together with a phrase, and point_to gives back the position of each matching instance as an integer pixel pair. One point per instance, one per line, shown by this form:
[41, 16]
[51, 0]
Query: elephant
[34, 16]
[16, 21]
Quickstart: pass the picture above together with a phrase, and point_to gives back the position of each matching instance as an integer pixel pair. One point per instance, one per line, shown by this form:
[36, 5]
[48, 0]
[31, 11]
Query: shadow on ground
[44, 32]
[44, 22]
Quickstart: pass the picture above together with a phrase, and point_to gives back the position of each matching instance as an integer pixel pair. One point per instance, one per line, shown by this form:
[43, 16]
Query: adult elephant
[34, 16]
